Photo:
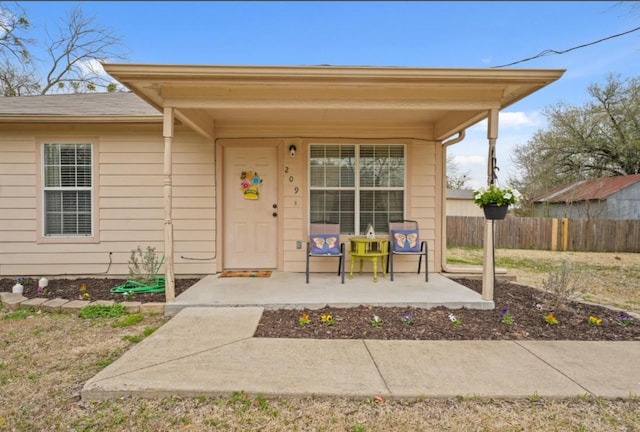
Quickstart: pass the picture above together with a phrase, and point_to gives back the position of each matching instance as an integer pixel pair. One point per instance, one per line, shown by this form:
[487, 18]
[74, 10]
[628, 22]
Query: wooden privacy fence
[583, 235]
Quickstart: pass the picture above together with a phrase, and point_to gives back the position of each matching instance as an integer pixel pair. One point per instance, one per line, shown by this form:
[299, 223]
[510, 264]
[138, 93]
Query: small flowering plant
[493, 195]
[406, 319]
[550, 319]
[42, 290]
[595, 321]
[625, 319]
[539, 308]
[376, 321]
[304, 319]
[84, 294]
[327, 319]
[506, 317]
[454, 320]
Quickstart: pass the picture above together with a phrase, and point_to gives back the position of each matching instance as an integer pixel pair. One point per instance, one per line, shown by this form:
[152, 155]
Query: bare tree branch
[16, 81]
[13, 43]
[74, 52]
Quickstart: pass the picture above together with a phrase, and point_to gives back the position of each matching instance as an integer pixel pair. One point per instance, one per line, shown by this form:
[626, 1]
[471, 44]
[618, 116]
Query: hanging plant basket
[495, 212]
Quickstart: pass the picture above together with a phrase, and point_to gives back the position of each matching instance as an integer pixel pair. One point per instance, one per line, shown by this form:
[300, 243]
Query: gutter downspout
[445, 267]
[443, 209]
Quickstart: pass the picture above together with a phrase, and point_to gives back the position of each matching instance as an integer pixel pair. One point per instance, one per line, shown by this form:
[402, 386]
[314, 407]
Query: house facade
[225, 167]
[604, 198]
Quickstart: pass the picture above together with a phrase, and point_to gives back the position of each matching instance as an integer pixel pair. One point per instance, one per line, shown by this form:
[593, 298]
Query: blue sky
[404, 34]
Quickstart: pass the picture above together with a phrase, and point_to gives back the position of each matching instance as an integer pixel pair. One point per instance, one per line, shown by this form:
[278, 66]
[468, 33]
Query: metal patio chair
[324, 242]
[404, 239]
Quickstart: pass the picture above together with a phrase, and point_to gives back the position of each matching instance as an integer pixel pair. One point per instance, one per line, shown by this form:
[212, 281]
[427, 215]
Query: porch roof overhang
[448, 100]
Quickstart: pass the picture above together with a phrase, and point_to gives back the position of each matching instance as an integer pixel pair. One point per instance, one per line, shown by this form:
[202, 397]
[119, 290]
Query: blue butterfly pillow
[324, 244]
[405, 240]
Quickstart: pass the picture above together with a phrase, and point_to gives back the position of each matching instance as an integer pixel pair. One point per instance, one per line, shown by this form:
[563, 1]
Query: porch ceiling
[448, 100]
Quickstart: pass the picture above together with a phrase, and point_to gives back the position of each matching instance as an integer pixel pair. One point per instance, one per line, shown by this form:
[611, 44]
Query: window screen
[67, 189]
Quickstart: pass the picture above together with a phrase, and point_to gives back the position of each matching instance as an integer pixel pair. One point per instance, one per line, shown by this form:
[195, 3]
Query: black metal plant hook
[494, 169]
[493, 161]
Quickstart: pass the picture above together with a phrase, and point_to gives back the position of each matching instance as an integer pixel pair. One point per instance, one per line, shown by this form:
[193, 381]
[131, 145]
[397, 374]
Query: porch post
[167, 132]
[488, 274]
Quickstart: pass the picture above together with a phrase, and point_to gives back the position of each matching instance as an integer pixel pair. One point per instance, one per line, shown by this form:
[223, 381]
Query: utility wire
[550, 51]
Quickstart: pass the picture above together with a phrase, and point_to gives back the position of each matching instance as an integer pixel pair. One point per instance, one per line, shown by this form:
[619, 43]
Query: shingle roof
[77, 105]
[584, 190]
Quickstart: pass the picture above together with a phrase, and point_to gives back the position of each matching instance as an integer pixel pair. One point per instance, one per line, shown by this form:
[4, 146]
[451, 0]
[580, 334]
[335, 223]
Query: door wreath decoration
[250, 180]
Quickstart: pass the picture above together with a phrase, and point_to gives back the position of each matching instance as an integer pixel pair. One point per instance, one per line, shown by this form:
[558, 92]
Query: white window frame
[43, 237]
[357, 188]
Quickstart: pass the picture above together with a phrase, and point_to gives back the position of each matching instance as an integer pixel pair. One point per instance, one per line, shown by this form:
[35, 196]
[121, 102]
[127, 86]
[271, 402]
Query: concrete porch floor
[283, 290]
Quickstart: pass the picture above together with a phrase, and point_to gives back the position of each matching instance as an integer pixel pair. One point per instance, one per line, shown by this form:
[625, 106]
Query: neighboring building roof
[77, 105]
[584, 190]
[461, 194]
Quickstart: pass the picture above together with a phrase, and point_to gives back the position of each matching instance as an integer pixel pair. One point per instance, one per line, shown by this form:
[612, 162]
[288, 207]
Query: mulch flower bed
[524, 307]
[519, 315]
[94, 289]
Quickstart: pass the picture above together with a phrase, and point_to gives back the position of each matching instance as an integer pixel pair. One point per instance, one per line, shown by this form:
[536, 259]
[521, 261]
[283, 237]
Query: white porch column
[488, 276]
[167, 132]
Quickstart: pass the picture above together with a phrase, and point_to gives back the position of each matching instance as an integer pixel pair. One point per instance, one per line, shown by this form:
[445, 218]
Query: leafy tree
[598, 139]
[72, 53]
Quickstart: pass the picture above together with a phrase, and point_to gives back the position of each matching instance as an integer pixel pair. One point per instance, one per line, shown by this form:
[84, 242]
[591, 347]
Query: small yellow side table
[366, 248]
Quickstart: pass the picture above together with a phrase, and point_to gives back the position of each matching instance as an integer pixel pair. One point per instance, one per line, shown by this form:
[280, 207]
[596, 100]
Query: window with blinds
[356, 185]
[67, 182]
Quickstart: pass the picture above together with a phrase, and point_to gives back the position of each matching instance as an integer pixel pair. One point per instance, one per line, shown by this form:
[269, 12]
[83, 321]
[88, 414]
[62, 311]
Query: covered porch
[288, 290]
[275, 117]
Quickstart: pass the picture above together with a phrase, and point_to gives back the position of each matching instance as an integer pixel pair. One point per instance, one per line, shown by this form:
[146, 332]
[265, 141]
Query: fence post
[565, 234]
[554, 234]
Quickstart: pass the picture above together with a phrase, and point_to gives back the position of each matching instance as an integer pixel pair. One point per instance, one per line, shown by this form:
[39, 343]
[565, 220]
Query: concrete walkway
[209, 351]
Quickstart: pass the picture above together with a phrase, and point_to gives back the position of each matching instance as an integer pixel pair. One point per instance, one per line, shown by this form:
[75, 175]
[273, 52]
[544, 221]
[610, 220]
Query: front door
[250, 207]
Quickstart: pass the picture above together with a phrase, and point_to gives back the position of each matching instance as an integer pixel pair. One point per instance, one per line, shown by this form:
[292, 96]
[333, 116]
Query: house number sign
[296, 189]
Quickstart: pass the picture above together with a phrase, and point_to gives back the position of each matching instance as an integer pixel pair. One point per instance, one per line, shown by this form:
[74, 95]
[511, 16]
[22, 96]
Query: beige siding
[134, 208]
[17, 179]
[18, 203]
[17, 197]
[421, 200]
[131, 205]
[17, 214]
[130, 197]
[294, 205]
